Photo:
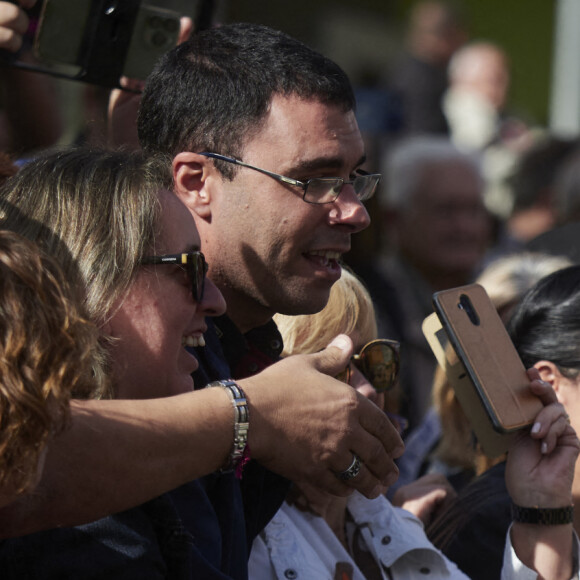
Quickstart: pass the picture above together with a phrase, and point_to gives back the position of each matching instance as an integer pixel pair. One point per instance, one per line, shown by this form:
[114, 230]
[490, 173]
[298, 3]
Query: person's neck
[531, 222]
[334, 515]
[245, 312]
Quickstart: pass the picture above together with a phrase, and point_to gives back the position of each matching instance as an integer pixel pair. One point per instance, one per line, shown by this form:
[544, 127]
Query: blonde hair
[507, 279]
[96, 211]
[46, 351]
[349, 310]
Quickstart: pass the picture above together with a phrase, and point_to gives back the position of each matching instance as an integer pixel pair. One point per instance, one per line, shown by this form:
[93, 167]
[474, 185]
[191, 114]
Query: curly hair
[47, 351]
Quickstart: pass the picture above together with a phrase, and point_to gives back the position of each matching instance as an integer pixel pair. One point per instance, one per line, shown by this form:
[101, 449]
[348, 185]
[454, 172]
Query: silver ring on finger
[352, 471]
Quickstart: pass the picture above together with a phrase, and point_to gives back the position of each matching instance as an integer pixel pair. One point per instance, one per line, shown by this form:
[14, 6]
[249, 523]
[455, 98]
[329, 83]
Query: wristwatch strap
[543, 516]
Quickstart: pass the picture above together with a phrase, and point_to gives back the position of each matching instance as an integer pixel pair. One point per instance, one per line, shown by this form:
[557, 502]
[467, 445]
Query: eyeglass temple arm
[276, 176]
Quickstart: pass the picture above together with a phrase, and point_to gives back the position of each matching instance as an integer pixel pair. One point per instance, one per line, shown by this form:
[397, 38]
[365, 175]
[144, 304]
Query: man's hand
[124, 104]
[306, 425]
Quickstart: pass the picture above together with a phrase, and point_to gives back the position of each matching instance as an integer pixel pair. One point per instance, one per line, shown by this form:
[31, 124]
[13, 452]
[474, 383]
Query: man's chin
[306, 304]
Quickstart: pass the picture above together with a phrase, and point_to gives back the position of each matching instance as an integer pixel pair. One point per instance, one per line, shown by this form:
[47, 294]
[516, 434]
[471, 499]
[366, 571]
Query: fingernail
[544, 448]
[340, 342]
[536, 428]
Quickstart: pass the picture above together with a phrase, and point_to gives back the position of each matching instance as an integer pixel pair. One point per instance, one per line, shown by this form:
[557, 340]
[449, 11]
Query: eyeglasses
[194, 265]
[319, 189]
[378, 361]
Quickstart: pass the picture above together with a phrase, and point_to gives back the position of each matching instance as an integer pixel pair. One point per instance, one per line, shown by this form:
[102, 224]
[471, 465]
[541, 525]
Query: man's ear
[192, 175]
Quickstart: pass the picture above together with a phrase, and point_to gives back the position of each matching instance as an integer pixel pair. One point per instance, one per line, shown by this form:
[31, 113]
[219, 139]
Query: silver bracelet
[241, 421]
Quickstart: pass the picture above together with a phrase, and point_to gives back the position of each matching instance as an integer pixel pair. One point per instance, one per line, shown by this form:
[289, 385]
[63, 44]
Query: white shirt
[298, 545]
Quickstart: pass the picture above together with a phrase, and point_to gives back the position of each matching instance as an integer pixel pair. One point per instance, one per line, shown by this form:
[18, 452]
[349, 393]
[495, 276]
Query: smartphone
[156, 31]
[98, 41]
[60, 33]
[470, 341]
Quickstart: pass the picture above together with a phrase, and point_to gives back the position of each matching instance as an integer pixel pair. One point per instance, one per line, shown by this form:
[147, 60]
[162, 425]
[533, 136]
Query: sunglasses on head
[194, 265]
[378, 361]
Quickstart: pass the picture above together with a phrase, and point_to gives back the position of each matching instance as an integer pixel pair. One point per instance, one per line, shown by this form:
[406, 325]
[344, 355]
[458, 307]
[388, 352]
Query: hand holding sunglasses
[378, 361]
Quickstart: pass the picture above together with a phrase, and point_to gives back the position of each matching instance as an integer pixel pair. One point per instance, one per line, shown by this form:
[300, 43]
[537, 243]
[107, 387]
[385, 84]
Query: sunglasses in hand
[378, 361]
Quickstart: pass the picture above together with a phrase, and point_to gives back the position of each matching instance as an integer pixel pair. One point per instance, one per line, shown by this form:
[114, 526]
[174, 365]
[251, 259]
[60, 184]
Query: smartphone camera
[160, 32]
[156, 31]
[466, 305]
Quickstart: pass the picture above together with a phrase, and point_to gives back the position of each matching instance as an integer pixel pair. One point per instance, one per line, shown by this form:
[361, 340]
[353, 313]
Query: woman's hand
[540, 464]
[539, 474]
[426, 496]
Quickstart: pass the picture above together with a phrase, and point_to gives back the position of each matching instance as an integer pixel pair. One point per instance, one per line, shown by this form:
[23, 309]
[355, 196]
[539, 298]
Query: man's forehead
[298, 132]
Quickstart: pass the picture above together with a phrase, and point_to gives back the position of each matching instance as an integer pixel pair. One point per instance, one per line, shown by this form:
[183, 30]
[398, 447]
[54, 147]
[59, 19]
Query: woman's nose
[213, 302]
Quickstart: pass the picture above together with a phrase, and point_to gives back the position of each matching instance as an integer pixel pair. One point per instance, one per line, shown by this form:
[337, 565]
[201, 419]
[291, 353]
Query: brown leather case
[482, 364]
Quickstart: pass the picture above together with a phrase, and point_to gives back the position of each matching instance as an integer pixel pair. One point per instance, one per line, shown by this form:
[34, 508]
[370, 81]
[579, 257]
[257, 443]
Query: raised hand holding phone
[539, 476]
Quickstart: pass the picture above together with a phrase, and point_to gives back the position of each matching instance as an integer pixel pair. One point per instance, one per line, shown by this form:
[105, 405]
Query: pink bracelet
[243, 461]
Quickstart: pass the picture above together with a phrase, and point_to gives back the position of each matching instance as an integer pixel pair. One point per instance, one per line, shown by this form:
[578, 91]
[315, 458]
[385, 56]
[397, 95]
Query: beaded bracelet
[241, 423]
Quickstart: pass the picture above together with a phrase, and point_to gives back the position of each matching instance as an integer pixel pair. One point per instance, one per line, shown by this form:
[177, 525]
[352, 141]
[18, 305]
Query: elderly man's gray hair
[405, 162]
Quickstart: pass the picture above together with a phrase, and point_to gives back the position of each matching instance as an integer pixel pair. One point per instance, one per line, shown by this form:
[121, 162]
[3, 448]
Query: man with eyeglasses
[268, 157]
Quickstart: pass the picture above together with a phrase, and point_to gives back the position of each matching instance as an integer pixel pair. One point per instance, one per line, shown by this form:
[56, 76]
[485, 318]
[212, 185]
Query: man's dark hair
[213, 91]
